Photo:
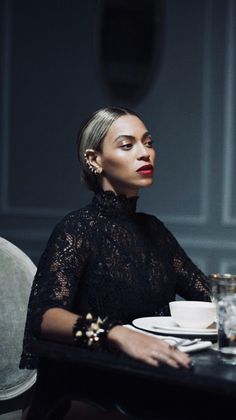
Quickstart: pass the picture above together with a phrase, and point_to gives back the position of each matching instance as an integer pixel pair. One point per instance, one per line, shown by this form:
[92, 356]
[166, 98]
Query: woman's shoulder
[75, 220]
[151, 219]
[83, 213]
[159, 229]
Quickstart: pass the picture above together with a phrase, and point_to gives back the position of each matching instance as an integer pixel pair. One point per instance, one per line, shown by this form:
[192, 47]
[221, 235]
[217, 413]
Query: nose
[143, 153]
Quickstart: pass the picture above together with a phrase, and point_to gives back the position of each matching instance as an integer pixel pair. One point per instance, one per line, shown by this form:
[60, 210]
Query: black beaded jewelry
[92, 332]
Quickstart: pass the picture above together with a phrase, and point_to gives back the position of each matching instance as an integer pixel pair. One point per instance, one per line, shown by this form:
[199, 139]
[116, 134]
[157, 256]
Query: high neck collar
[118, 205]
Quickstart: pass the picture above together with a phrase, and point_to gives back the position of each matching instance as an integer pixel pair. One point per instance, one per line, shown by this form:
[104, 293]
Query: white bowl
[193, 314]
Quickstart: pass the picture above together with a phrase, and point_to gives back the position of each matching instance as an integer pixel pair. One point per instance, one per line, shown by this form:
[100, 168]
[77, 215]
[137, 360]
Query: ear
[93, 160]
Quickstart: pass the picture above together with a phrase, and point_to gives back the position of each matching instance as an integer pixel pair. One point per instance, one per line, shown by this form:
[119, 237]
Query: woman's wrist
[92, 332]
[116, 336]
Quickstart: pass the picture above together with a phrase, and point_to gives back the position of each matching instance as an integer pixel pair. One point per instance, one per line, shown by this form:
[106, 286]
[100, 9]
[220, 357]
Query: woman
[108, 260]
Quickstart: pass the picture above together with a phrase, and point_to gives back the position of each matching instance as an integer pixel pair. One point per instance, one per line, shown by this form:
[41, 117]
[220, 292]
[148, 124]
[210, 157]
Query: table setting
[191, 327]
[223, 287]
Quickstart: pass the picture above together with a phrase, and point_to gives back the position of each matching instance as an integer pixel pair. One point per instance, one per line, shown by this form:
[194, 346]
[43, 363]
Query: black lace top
[110, 260]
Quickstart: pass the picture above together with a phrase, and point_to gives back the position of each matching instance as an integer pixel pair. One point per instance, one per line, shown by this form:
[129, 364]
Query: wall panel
[50, 82]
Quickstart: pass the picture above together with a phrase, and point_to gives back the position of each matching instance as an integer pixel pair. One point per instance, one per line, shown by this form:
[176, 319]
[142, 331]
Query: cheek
[120, 161]
[153, 155]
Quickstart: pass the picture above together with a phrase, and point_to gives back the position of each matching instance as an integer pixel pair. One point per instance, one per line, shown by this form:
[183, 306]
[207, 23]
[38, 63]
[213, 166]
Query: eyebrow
[129, 137]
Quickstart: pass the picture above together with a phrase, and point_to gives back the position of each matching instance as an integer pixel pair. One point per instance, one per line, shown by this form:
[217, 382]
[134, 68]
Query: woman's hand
[147, 349]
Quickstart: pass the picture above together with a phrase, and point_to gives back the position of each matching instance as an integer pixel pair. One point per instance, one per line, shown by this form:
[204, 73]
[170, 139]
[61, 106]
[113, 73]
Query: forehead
[129, 125]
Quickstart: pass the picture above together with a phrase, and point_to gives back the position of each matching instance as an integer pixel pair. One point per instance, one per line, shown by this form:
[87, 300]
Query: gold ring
[155, 354]
[160, 356]
[172, 347]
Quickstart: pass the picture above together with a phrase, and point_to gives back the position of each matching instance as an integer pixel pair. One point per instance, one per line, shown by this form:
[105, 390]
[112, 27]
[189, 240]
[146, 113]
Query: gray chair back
[16, 275]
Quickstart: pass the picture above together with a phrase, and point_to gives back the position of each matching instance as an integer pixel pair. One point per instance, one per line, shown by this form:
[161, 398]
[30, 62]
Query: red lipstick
[145, 170]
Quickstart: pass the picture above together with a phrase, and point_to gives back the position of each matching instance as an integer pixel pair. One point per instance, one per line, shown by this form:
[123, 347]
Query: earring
[92, 168]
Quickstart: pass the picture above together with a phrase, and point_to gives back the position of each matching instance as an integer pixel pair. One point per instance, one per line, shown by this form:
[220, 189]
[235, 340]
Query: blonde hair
[91, 135]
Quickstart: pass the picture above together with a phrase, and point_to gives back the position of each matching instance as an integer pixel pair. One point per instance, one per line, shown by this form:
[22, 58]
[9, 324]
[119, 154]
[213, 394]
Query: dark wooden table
[117, 382]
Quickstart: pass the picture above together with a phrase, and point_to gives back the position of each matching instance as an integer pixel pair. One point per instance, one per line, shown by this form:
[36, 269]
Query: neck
[119, 190]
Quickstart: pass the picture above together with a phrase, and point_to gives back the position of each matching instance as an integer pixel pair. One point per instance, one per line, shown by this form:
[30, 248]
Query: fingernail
[191, 365]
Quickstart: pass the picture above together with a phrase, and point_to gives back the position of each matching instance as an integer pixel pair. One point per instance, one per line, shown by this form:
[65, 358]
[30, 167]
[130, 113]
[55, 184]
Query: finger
[172, 357]
[164, 358]
[175, 353]
[180, 358]
[151, 360]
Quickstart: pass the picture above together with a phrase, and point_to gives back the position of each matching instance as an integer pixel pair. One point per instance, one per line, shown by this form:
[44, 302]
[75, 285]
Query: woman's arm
[191, 282]
[54, 287]
[147, 349]
[58, 324]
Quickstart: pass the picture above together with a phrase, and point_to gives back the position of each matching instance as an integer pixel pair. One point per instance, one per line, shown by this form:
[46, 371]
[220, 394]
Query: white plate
[166, 325]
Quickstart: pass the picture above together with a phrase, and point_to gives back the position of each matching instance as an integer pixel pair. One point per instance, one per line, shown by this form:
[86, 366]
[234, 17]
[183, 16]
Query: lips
[145, 168]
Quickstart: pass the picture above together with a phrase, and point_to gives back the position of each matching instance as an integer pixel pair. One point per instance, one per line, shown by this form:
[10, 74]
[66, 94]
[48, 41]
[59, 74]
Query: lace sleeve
[191, 282]
[56, 281]
[58, 273]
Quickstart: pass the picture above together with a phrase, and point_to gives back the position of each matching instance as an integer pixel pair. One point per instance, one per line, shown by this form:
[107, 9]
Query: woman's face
[127, 156]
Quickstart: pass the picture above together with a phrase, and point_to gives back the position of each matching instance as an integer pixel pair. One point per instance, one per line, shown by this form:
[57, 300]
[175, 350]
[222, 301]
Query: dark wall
[58, 64]
[56, 69]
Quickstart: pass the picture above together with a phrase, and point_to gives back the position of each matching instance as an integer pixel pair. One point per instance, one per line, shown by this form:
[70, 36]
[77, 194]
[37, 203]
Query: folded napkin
[175, 340]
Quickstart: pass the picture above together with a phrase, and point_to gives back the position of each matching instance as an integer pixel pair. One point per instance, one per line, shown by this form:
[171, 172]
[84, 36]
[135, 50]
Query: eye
[126, 146]
[149, 142]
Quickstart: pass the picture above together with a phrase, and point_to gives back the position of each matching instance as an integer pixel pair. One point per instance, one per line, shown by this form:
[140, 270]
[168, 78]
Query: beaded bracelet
[92, 332]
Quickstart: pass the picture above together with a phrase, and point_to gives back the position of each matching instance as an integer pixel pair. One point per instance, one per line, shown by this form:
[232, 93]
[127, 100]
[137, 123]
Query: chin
[146, 183]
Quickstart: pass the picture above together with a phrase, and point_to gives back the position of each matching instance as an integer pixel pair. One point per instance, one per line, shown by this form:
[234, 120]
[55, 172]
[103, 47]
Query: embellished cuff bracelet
[92, 332]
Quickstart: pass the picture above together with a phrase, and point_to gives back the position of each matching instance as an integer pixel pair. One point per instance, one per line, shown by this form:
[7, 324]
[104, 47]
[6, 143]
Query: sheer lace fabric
[110, 260]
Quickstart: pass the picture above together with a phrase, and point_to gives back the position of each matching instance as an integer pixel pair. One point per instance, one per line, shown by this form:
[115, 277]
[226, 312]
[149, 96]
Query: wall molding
[208, 243]
[202, 218]
[5, 207]
[229, 118]
[5, 98]
[225, 263]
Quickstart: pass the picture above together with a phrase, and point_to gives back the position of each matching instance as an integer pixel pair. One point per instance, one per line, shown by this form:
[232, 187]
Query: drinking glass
[223, 288]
